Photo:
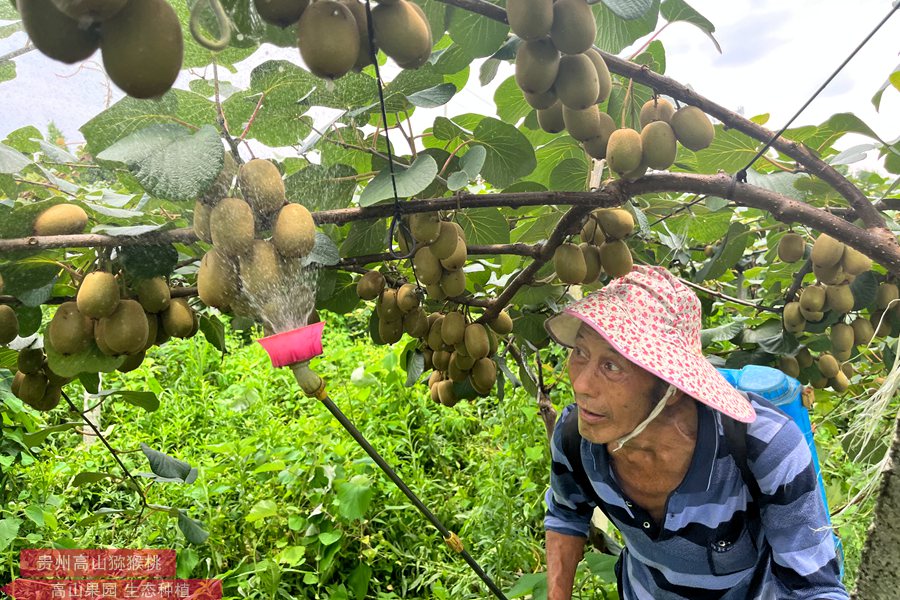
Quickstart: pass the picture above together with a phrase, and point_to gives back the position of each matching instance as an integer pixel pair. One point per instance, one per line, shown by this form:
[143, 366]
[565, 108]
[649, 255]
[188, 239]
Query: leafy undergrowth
[293, 507]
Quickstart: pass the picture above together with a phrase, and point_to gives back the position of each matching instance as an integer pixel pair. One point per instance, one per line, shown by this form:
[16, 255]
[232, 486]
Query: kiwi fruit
[457, 260]
[789, 366]
[61, 219]
[804, 358]
[445, 243]
[131, 362]
[530, 19]
[364, 56]
[125, 331]
[484, 375]
[390, 331]
[656, 109]
[793, 319]
[69, 331]
[261, 270]
[812, 316]
[791, 247]
[142, 48]
[616, 258]
[541, 101]
[262, 186]
[584, 124]
[9, 324]
[623, 151]
[222, 185]
[216, 280]
[813, 298]
[294, 233]
[842, 337]
[591, 232]
[574, 26]
[280, 12]
[370, 285]
[829, 275]
[152, 330]
[839, 298]
[407, 298]
[839, 383]
[455, 371]
[453, 283]
[201, 221]
[56, 34]
[232, 227]
[591, 255]
[603, 77]
[427, 266]
[855, 262]
[153, 294]
[576, 82]
[32, 388]
[616, 223]
[402, 31]
[434, 292]
[502, 323]
[453, 328]
[847, 369]
[862, 331]
[537, 65]
[98, 296]
[30, 360]
[636, 173]
[828, 365]
[827, 251]
[692, 128]
[425, 227]
[386, 306]
[328, 39]
[596, 146]
[477, 342]
[178, 319]
[886, 293]
[463, 361]
[89, 11]
[658, 145]
[415, 323]
[568, 261]
[551, 119]
[446, 393]
[435, 340]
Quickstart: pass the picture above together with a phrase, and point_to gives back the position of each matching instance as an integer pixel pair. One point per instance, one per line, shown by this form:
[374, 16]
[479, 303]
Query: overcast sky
[775, 53]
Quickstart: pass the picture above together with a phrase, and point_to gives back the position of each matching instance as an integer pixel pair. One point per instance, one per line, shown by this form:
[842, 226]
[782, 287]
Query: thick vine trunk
[879, 570]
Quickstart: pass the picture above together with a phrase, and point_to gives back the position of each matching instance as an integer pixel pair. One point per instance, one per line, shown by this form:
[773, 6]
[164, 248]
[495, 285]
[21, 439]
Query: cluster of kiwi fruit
[835, 266]
[141, 40]
[398, 309]
[35, 383]
[333, 35]
[258, 241]
[120, 320]
[565, 80]
[61, 219]
[440, 255]
[602, 248]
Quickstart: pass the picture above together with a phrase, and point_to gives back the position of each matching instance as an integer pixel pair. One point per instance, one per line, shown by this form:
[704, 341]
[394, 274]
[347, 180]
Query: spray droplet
[329, 85]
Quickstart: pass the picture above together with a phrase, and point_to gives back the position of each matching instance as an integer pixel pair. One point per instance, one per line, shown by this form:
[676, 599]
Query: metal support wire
[450, 538]
[741, 176]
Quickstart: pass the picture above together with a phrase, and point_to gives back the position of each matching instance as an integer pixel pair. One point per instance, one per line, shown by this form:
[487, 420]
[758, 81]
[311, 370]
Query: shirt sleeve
[804, 560]
[568, 508]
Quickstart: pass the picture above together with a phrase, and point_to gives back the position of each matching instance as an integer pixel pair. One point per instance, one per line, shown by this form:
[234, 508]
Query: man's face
[613, 394]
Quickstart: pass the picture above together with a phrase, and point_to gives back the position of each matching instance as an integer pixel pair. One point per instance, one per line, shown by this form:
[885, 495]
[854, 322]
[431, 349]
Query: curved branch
[816, 166]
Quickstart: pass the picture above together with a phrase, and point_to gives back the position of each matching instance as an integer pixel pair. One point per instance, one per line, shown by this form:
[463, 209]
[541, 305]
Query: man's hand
[563, 555]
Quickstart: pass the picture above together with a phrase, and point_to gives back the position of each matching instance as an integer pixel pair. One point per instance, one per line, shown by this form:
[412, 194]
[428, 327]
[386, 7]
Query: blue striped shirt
[710, 544]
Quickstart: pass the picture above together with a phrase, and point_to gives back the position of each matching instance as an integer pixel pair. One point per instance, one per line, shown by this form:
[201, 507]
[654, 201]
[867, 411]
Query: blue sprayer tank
[785, 392]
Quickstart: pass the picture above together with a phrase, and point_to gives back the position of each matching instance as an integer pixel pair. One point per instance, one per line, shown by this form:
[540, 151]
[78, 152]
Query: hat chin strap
[643, 425]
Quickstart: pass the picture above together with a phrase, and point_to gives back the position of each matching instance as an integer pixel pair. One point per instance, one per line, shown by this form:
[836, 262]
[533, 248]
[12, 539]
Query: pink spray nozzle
[294, 346]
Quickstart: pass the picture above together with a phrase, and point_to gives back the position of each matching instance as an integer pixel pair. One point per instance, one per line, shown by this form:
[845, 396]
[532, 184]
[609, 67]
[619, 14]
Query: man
[650, 410]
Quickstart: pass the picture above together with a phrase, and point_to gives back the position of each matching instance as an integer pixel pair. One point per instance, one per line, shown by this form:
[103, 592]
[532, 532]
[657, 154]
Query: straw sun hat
[653, 319]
